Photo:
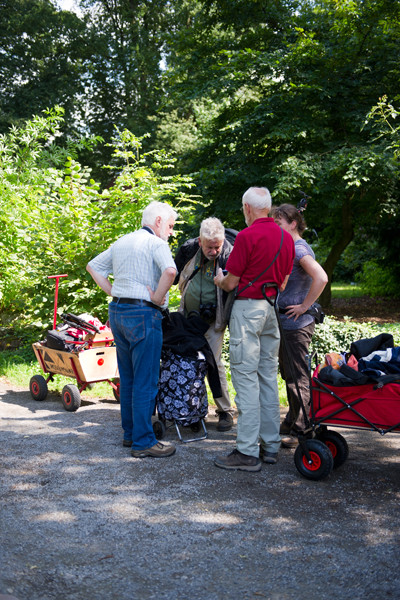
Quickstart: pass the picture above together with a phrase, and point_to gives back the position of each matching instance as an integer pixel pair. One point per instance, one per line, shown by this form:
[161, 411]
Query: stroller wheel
[321, 459]
[336, 444]
[71, 398]
[38, 387]
[159, 429]
[195, 427]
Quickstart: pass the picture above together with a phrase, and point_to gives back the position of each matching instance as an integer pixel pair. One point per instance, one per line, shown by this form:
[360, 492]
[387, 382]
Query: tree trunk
[337, 250]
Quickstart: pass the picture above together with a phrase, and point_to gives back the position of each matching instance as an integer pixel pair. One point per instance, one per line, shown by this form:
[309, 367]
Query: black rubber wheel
[71, 398]
[336, 444]
[38, 387]
[321, 460]
[159, 429]
[116, 391]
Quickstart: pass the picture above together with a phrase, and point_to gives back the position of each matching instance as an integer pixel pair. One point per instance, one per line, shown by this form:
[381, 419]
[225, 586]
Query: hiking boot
[271, 458]
[225, 421]
[159, 450]
[239, 462]
[290, 441]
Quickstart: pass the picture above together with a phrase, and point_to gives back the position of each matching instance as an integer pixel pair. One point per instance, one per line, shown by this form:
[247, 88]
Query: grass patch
[346, 290]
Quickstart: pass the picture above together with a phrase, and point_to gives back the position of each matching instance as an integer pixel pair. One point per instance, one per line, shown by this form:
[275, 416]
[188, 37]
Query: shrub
[54, 218]
[378, 280]
[336, 336]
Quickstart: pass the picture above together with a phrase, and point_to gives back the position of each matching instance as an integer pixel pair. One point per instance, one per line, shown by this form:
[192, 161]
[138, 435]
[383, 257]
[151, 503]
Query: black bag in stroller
[185, 361]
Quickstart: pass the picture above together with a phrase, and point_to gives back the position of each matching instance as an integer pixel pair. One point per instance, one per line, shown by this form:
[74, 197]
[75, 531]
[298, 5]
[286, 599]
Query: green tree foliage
[42, 63]
[123, 79]
[292, 83]
[103, 66]
[267, 92]
[380, 275]
[54, 218]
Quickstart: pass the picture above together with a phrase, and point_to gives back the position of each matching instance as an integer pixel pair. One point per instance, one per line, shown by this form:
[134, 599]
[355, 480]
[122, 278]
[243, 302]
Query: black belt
[246, 298]
[137, 301]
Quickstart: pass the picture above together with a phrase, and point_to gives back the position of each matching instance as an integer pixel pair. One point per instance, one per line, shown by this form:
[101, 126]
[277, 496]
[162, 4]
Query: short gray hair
[257, 197]
[158, 209]
[212, 229]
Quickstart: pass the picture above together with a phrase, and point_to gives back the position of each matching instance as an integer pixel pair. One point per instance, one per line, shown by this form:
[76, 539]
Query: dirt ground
[82, 520]
[365, 309]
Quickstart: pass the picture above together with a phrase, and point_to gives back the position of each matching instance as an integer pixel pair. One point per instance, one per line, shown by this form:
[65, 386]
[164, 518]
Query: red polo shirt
[254, 249]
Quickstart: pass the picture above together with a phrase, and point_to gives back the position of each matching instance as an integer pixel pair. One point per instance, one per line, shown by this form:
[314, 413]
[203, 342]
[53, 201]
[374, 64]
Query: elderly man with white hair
[144, 270]
[263, 253]
[197, 261]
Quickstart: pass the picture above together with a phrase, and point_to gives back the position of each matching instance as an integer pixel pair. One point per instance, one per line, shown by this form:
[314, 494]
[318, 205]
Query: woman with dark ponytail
[305, 284]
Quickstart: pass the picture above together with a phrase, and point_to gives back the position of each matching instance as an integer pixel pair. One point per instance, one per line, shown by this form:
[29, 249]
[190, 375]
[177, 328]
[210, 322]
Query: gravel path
[82, 520]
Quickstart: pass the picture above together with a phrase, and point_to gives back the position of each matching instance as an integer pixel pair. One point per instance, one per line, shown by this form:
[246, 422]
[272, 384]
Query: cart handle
[57, 278]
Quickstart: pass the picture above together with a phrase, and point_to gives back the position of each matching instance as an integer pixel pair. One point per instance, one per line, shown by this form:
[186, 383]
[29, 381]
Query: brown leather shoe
[289, 441]
[159, 450]
[238, 461]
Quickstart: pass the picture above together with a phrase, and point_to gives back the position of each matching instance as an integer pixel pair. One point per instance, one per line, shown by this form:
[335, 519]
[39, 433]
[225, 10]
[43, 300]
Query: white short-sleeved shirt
[136, 260]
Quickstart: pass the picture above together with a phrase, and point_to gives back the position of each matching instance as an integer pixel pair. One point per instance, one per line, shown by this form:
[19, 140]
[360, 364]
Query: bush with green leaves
[377, 279]
[337, 336]
[54, 217]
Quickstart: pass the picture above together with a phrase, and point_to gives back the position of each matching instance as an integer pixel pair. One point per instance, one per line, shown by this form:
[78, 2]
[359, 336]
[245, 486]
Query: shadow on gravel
[82, 519]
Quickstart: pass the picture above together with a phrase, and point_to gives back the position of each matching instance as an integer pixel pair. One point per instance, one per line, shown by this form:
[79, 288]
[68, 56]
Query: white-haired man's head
[211, 237]
[256, 202]
[160, 217]
[257, 197]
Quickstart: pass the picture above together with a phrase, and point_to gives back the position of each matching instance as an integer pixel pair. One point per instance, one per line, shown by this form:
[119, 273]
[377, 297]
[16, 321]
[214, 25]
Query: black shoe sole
[224, 428]
[147, 455]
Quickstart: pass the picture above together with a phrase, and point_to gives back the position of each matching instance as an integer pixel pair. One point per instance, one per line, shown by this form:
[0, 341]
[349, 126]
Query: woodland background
[125, 101]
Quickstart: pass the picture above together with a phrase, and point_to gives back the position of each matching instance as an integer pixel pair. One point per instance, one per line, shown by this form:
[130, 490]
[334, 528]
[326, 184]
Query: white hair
[212, 229]
[158, 209]
[257, 197]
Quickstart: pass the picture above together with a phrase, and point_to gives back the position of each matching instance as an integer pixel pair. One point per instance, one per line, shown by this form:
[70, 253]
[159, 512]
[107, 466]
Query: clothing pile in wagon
[369, 360]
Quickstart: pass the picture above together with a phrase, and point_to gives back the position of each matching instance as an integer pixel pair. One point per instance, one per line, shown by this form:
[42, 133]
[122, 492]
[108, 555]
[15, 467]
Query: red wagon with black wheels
[373, 407]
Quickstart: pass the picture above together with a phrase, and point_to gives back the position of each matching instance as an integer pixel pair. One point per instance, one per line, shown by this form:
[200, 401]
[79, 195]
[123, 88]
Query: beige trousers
[216, 340]
[253, 351]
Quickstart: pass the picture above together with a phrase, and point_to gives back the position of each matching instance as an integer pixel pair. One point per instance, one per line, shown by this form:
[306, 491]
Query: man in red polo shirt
[254, 331]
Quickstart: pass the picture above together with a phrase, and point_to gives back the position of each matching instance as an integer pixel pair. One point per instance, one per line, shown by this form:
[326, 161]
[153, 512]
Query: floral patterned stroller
[186, 359]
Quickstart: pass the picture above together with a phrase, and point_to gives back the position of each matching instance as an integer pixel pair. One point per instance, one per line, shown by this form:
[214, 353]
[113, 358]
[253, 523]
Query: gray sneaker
[238, 461]
[159, 450]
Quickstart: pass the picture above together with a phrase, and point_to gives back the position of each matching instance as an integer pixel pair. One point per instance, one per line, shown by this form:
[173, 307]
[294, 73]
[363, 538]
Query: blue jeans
[138, 338]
